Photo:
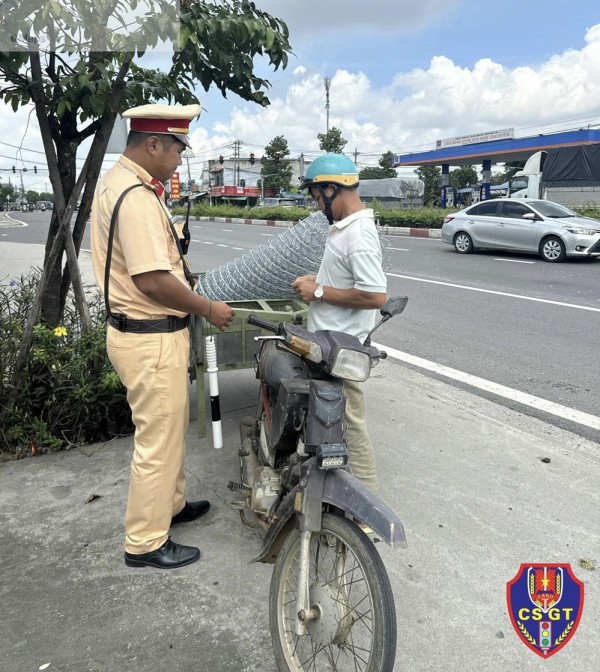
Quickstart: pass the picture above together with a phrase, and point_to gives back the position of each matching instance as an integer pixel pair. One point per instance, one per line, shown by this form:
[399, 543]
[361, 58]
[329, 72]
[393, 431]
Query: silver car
[523, 225]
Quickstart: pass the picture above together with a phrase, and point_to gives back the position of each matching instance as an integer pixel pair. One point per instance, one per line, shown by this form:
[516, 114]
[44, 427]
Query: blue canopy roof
[498, 151]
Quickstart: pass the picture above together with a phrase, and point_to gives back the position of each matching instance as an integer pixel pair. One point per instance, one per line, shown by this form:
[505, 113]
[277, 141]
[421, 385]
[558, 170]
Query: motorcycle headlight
[351, 365]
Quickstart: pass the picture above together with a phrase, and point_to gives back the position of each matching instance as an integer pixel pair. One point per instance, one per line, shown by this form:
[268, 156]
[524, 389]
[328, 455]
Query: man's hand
[164, 288]
[220, 314]
[305, 286]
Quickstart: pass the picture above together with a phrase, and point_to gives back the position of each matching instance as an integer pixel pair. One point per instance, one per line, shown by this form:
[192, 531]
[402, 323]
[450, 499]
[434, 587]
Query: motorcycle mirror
[393, 306]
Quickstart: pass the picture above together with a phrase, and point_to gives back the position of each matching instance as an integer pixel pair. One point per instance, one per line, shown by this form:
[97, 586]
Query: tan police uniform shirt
[143, 241]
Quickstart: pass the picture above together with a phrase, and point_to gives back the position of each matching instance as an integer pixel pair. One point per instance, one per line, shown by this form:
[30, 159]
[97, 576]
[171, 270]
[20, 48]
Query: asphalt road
[512, 320]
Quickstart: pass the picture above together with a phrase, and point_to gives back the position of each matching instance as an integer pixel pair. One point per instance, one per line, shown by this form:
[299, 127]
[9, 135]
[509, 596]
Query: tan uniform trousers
[153, 368]
[360, 450]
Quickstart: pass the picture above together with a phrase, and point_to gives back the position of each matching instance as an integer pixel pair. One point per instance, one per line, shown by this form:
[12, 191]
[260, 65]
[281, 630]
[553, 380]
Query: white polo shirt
[352, 260]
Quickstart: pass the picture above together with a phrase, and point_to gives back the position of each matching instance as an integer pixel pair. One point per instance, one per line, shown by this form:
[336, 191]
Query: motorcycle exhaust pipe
[213, 382]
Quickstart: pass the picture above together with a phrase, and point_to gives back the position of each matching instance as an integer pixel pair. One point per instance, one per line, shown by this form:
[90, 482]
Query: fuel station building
[487, 149]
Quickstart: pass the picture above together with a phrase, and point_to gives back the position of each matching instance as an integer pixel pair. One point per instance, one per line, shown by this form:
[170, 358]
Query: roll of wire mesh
[269, 271]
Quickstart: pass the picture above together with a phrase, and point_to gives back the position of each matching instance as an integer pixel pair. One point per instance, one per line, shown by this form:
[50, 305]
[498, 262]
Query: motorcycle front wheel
[355, 629]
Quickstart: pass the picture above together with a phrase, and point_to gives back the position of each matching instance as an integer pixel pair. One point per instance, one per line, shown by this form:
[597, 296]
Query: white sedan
[523, 225]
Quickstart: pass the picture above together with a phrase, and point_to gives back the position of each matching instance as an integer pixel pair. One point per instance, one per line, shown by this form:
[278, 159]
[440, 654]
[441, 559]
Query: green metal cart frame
[236, 347]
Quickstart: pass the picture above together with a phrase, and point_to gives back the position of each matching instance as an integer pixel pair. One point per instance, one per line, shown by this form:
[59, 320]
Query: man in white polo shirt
[350, 286]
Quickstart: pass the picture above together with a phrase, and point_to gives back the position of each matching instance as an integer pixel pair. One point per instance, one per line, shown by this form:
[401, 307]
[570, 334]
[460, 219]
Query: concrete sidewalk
[465, 475]
[18, 259]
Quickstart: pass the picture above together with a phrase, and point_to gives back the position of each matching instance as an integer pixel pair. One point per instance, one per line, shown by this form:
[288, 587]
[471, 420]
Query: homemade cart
[236, 347]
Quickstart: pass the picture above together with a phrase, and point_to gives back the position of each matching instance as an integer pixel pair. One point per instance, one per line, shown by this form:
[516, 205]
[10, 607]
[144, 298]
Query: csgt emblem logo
[545, 602]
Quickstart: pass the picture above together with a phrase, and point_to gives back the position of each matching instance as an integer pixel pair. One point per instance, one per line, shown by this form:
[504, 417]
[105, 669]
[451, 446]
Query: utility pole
[236, 155]
[327, 85]
[187, 154]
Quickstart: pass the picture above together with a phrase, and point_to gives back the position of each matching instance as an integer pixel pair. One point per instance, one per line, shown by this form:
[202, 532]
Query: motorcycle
[331, 605]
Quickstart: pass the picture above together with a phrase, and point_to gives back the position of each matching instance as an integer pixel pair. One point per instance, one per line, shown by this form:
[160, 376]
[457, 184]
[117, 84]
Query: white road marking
[399, 249]
[516, 261]
[228, 230]
[221, 245]
[267, 234]
[196, 226]
[538, 403]
[491, 291]
[238, 248]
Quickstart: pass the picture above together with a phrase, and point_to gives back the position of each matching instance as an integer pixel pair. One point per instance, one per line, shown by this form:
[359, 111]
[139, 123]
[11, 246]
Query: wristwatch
[319, 293]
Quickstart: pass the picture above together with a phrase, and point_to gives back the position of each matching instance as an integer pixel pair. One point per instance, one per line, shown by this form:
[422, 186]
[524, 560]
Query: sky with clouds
[403, 75]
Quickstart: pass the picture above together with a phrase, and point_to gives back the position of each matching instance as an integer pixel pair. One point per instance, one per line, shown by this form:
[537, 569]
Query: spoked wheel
[355, 627]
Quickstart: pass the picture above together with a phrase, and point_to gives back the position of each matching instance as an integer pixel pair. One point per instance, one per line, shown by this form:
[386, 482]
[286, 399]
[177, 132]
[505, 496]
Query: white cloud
[422, 105]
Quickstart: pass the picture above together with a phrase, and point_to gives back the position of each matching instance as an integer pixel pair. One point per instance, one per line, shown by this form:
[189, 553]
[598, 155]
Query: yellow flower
[60, 331]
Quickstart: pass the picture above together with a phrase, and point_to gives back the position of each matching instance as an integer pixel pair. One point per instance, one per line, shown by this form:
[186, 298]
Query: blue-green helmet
[331, 169]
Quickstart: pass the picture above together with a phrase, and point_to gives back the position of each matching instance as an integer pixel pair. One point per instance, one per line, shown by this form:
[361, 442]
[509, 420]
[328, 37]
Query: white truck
[567, 175]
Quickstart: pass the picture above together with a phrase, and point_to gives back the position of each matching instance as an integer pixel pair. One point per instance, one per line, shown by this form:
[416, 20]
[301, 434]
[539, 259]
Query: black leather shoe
[191, 511]
[169, 556]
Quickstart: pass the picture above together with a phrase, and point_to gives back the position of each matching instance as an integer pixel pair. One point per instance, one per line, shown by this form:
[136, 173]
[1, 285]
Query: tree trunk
[51, 304]
[82, 216]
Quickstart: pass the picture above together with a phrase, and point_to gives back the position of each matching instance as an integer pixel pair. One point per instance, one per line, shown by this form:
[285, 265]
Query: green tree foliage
[431, 176]
[276, 169]
[464, 176]
[332, 142]
[7, 193]
[384, 170]
[78, 74]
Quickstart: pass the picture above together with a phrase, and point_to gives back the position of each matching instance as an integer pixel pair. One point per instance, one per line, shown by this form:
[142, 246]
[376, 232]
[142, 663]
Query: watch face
[319, 292]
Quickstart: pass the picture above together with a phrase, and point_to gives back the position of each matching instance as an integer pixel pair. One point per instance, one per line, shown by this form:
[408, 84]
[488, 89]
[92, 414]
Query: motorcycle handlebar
[263, 324]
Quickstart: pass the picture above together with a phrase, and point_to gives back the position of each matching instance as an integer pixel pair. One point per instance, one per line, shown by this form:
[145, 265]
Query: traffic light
[252, 159]
[14, 170]
[35, 169]
[221, 159]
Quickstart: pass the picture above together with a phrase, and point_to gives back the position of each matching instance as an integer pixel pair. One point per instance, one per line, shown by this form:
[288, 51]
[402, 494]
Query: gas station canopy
[468, 150]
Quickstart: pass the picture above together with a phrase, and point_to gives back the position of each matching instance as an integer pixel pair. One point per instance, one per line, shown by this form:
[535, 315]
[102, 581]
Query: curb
[413, 231]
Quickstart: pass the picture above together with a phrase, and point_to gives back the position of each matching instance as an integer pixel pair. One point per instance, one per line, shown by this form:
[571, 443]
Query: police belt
[162, 326]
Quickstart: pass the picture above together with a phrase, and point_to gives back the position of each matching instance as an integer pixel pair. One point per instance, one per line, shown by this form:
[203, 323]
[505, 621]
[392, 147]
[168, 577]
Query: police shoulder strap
[111, 235]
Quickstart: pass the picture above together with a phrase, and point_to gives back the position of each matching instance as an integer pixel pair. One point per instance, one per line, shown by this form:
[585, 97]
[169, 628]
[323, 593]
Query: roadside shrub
[69, 393]
[262, 212]
[275, 212]
[423, 218]
[587, 210]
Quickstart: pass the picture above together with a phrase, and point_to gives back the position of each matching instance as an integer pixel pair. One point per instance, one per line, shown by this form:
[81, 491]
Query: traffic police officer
[149, 296]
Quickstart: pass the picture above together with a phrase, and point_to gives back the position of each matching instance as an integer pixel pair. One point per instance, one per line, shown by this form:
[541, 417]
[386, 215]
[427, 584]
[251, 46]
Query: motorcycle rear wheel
[349, 586]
